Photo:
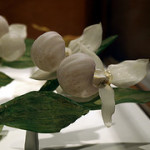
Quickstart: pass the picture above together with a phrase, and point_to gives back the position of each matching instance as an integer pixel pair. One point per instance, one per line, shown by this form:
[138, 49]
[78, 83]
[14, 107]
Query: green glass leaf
[106, 43]
[131, 95]
[48, 112]
[1, 136]
[44, 112]
[1, 127]
[4, 79]
[122, 95]
[24, 61]
[50, 85]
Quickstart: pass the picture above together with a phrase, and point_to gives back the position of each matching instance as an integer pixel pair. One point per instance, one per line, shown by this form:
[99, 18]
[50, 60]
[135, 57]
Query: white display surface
[130, 129]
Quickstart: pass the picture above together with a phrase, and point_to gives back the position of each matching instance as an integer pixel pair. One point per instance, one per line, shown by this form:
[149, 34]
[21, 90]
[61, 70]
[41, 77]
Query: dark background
[130, 19]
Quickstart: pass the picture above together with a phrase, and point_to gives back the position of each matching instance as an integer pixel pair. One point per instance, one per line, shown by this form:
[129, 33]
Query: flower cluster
[12, 37]
[80, 72]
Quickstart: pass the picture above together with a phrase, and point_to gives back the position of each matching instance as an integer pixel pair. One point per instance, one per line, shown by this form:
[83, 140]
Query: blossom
[91, 43]
[77, 72]
[124, 74]
[12, 37]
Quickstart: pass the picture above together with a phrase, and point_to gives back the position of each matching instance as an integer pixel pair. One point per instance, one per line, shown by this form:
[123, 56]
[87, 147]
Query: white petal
[12, 47]
[92, 37]
[68, 51]
[43, 75]
[48, 50]
[128, 73]
[74, 45]
[108, 104]
[4, 27]
[19, 29]
[98, 62]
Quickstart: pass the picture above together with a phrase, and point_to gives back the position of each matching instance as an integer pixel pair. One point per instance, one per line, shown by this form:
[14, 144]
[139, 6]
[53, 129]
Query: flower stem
[31, 141]
[0, 61]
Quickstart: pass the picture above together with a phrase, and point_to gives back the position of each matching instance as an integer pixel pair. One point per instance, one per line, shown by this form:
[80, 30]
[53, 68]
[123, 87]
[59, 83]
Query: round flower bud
[11, 47]
[75, 75]
[4, 27]
[48, 51]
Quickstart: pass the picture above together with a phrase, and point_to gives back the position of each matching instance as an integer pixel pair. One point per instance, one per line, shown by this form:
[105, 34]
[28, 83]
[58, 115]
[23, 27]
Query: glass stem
[31, 141]
[0, 60]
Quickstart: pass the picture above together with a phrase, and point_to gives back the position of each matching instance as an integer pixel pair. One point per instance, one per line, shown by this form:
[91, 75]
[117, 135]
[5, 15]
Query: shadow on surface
[71, 138]
[109, 146]
[69, 148]
[75, 140]
[3, 134]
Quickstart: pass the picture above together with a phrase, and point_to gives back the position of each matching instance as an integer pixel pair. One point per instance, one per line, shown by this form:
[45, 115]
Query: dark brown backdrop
[63, 16]
[130, 19]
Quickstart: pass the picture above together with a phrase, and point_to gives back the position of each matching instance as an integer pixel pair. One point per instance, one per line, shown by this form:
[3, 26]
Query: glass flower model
[80, 72]
[12, 45]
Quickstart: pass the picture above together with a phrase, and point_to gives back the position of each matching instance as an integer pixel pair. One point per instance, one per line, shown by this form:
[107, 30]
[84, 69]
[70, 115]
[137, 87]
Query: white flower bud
[4, 27]
[48, 51]
[75, 75]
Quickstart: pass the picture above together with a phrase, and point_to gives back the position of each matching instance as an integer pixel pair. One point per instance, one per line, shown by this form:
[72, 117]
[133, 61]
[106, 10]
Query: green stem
[50, 85]
[1, 61]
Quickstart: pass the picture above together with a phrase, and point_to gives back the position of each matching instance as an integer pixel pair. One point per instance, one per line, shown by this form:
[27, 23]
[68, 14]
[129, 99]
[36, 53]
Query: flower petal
[92, 37]
[19, 29]
[4, 27]
[12, 47]
[74, 45]
[48, 50]
[68, 51]
[108, 104]
[43, 75]
[98, 62]
[128, 73]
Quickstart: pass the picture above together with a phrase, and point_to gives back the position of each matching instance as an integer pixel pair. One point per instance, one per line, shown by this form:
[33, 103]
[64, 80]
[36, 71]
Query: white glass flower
[124, 74]
[49, 52]
[12, 37]
[78, 76]
[90, 39]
